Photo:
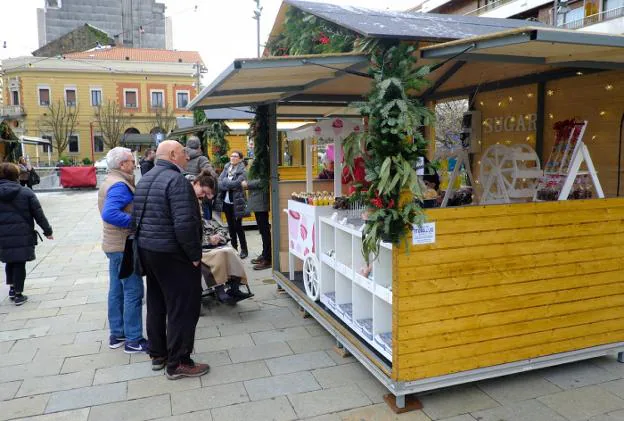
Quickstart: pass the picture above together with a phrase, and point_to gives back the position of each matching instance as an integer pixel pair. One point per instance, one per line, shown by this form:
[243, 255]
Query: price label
[424, 234]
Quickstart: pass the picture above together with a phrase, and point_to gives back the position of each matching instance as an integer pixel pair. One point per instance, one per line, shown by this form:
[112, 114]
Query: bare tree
[165, 119]
[60, 120]
[112, 121]
[448, 123]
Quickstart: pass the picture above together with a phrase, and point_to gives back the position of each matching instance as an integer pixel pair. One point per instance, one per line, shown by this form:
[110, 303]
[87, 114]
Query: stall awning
[32, 140]
[525, 55]
[322, 84]
[135, 139]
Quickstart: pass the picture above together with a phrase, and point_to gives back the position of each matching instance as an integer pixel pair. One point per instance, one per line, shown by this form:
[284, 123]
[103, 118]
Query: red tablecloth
[78, 177]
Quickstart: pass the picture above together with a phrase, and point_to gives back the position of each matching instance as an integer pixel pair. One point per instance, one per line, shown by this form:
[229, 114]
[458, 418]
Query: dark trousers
[173, 305]
[26, 183]
[264, 227]
[235, 226]
[16, 275]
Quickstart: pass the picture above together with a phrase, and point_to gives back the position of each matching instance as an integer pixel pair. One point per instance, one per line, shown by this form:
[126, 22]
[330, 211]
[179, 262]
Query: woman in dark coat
[18, 207]
[233, 201]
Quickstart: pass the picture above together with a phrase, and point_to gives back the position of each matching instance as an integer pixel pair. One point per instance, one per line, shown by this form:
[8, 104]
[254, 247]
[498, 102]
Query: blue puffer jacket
[172, 222]
[17, 206]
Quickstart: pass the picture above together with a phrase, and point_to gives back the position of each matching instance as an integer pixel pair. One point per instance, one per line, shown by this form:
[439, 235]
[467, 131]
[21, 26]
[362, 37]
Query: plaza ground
[268, 363]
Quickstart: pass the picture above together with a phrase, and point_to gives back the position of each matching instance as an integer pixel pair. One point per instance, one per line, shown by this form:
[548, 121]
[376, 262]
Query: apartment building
[585, 15]
[145, 83]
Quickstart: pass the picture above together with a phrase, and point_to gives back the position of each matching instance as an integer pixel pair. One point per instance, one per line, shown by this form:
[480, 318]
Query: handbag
[131, 261]
[34, 177]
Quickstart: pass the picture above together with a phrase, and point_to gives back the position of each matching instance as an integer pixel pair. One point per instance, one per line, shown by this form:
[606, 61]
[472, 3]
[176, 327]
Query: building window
[15, 97]
[70, 97]
[158, 99]
[182, 99]
[612, 4]
[570, 16]
[47, 148]
[98, 143]
[96, 97]
[74, 146]
[44, 97]
[130, 99]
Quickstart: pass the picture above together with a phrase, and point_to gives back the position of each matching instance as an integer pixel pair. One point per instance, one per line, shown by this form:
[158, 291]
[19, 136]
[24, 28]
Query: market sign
[424, 234]
[510, 123]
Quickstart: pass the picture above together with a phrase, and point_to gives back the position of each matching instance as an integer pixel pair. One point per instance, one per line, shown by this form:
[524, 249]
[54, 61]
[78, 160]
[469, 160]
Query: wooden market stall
[486, 290]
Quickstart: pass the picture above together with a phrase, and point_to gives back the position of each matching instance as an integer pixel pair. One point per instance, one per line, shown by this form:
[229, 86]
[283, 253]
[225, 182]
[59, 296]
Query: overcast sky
[221, 30]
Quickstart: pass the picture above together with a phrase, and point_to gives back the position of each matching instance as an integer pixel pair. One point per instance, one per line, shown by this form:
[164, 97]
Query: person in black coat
[169, 234]
[232, 200]
[18, 207]
[147, 162]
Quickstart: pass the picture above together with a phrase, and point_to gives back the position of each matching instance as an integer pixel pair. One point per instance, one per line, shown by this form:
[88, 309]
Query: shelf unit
[362, 303]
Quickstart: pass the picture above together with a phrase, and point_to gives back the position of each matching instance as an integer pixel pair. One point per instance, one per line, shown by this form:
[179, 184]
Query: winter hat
[193, 143]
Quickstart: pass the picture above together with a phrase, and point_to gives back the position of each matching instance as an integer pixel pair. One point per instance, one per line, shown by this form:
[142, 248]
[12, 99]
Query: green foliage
[86, 161]
[219, 146]
[259, 132]
[304, 33]
[199, 118]
[394, 142]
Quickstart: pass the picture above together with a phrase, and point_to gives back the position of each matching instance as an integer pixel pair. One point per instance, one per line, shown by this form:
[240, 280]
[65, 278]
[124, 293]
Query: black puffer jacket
[18, 205]
[172, 222]
[237, 195]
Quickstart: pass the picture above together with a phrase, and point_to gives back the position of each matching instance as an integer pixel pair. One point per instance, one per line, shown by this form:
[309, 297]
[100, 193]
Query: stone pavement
[267, 362]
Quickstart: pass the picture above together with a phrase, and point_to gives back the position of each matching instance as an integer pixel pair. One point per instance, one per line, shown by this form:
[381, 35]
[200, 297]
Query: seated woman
[219, 261]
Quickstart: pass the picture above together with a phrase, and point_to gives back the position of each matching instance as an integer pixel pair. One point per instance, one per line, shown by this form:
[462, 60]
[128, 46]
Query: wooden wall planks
[507, 283]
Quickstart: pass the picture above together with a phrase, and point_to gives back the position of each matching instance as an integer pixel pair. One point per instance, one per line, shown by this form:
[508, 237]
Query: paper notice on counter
[424, 234]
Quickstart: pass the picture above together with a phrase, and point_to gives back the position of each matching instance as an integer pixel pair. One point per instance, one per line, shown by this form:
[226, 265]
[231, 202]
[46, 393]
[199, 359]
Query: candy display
[347, 310]
[385, 340]
[315, 199]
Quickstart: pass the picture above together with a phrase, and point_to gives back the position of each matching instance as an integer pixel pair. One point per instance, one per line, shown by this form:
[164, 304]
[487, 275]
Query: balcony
[507, 8]
[600, 22]
[11, 111]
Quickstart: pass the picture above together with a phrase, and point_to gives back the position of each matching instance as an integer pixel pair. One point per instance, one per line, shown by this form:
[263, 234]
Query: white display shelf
[364, 304]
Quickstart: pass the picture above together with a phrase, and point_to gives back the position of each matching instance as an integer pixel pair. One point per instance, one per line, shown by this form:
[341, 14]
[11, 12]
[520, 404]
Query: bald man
[169, 232]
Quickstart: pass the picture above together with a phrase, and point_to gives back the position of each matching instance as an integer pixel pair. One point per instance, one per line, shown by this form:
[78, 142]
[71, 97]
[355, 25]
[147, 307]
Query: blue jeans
[125, 302]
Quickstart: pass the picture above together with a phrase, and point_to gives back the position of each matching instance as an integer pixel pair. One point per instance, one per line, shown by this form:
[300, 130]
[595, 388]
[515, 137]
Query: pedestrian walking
[147, 162]
[18, 208]
[125, 296]
[169, 235]
[259, 204]
[231, 199]
[24, 172]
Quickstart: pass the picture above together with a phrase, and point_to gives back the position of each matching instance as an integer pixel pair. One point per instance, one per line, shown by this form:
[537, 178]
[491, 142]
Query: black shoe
[223, 296]
[159, 363]
[20, 299]
[243, 254]
[12, 294]
[257, 260]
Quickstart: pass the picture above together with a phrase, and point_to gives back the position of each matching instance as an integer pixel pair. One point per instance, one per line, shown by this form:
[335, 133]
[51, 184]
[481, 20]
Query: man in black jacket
[169, 233]
[147, 162]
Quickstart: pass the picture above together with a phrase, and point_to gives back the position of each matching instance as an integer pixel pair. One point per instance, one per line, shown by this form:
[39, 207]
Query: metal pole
[257, 15]
[274, 178]
[554, 14]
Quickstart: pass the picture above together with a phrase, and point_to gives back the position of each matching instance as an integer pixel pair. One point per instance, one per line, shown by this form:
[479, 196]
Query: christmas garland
[259, 132]
[394, 142]
[219, 145]
[304, 33]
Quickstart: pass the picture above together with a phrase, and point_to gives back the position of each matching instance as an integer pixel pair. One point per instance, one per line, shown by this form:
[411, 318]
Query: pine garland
[219, 145]
[259, 132]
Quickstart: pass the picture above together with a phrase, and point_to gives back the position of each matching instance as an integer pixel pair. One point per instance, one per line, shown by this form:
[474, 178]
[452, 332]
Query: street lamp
[560, 9]
[256, 17]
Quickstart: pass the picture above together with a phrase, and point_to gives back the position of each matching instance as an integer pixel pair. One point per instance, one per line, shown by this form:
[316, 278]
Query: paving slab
[269, 387]
[456, 401]
[583, 403]
[612, 416]
[299, 362]
[9, 389]
[280, 335]
[316, 343]
[133, 410]
[14, 335]
[23, 407]
[259, 352]
[328, 400]
[221, 343]
[75, 415]
[47, 384]
[154, 386]
[204, 415]
[86, 396]
[380, 412]
[529, 410]
[248, 327]
[578, 374]
[95, 361]
[121, 373]
[517, 388]
[207, 398]
[235, 373]
[14, 358]
[38, 368]
[275, 409]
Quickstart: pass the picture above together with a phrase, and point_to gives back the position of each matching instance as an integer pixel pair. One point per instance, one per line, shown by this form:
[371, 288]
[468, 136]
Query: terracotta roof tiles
[139, 54]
